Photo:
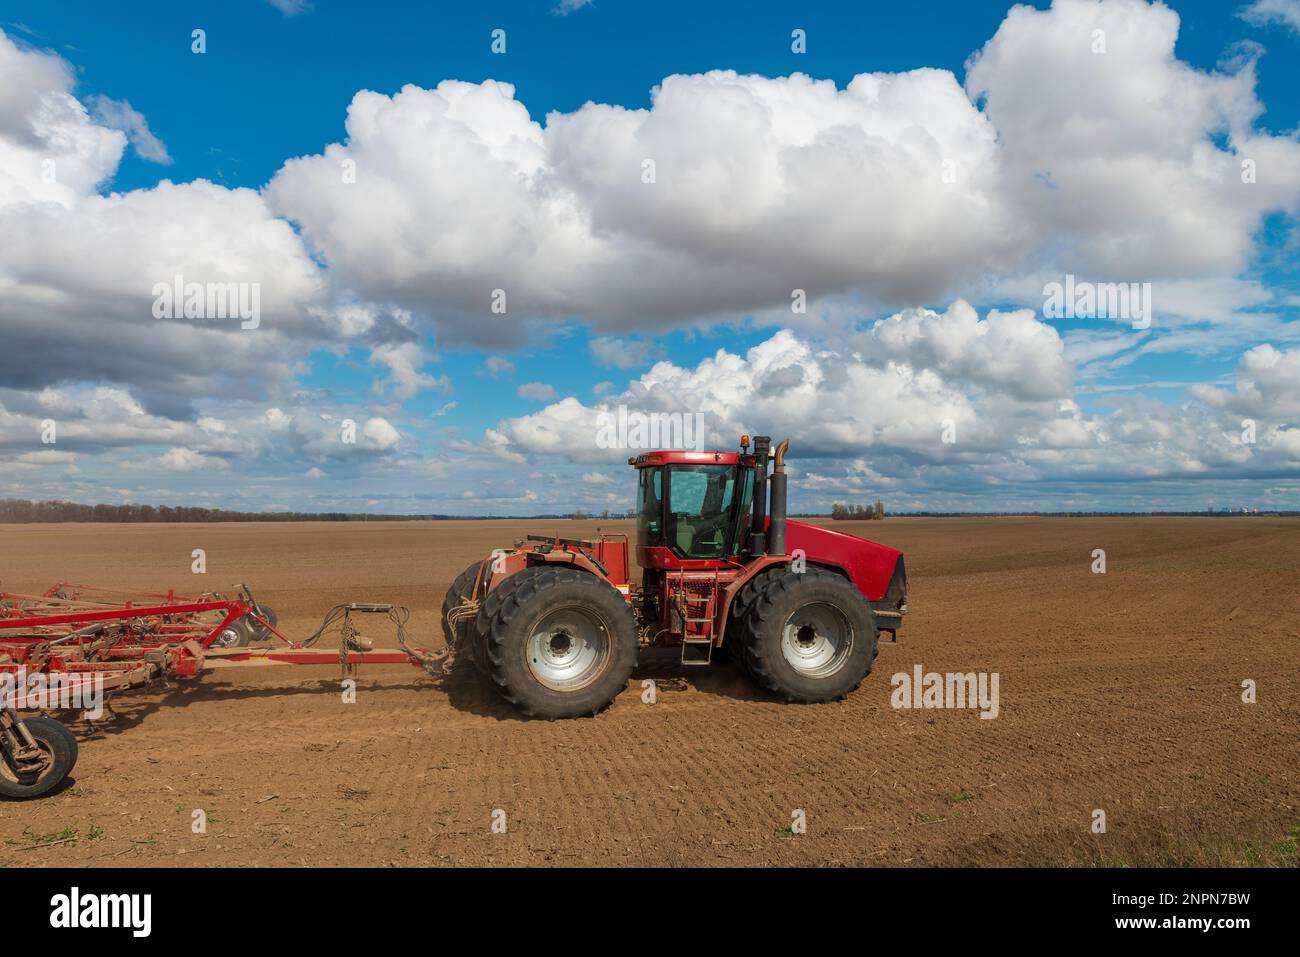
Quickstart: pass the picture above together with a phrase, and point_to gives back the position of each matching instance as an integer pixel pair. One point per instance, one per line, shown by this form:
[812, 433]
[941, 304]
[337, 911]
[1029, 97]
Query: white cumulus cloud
[121, 115]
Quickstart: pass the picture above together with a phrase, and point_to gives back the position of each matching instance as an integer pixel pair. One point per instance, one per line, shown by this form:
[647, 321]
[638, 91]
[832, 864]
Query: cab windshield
[696, 510]
[701, 516]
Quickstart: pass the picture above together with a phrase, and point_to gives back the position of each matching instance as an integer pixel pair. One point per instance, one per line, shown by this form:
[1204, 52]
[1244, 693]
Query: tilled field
[1119, 692]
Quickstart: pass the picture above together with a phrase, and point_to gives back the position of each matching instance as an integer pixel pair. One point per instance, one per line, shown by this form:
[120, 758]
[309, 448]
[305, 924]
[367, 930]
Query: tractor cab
[692, 507]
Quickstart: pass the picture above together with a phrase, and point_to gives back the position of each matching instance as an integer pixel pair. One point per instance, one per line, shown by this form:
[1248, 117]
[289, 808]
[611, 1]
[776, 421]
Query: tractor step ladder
[697, 647]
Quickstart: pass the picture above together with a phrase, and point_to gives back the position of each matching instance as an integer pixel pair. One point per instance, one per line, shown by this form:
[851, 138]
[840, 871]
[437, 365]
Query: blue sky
[1120, 175]
[279, 84]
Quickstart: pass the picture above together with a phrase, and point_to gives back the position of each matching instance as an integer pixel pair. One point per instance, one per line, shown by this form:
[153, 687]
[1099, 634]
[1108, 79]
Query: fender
[875, 570]
[516, 561]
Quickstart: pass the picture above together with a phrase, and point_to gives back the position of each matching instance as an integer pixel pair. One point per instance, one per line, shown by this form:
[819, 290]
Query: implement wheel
[244, 631]
[809, 637]
[256, 629]
[559, 643]
[29, 775]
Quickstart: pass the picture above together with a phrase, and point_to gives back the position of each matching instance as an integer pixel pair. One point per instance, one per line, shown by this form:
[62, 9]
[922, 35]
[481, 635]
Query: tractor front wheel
[737, 639]
[559, 643]
[809, 637]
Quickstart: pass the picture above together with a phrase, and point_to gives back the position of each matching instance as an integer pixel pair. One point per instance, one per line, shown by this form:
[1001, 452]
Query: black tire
[559, 643]
[258, 631]
[737, 638]
[235, 635]
[462, 639]
[809, 637]
[61, 750]
[244, 631]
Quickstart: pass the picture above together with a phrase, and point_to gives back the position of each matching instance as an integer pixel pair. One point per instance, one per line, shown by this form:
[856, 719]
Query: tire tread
[760, 645]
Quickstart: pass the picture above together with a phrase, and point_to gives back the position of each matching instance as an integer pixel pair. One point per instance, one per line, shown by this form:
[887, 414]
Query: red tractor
[556, 624]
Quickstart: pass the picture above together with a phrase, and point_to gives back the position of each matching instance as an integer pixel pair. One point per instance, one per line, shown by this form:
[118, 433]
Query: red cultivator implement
[74, 644]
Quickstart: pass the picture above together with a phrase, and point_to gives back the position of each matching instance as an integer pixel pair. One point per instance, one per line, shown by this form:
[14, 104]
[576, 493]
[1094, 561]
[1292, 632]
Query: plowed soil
[1120, 692]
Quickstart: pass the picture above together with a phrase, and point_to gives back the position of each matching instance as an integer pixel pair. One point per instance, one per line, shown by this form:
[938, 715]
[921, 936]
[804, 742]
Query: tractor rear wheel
[559, 642]
[462, 639]
[809, 637]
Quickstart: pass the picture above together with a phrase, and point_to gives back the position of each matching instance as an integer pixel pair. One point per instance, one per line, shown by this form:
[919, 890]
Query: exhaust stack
[757, 534]
[776, 530]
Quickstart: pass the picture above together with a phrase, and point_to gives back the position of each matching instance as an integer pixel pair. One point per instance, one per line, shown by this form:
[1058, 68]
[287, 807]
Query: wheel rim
[817, 640]
[228, 638]
[29, 776]
[568, 648]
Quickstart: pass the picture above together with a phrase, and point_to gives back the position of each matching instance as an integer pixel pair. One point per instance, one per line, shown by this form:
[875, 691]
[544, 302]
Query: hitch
[354, 649]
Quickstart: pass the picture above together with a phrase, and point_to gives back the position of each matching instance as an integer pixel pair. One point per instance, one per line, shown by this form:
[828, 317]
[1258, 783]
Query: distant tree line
[21, 511]
[14, 510]
[858, 512]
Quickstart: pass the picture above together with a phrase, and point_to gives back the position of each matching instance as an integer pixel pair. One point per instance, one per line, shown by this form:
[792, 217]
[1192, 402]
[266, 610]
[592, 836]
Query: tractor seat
[706, 544]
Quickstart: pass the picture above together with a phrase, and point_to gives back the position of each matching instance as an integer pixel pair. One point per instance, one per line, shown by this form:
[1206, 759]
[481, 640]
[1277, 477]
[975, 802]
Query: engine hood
[869, 565]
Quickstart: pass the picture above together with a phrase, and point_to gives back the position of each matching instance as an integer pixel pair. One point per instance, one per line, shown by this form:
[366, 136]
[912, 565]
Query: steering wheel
[714, 525]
